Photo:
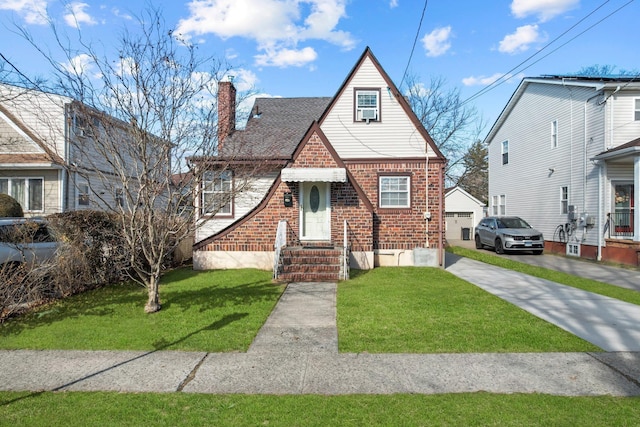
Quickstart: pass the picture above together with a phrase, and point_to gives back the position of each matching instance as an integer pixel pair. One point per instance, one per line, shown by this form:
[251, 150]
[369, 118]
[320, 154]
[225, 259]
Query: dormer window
[367, 103]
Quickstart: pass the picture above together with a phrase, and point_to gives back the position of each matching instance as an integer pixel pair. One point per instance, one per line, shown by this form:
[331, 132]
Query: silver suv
[25, 241]
[508, 233]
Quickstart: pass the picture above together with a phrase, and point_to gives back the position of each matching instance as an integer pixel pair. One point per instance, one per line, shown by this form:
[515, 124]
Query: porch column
[636, 199]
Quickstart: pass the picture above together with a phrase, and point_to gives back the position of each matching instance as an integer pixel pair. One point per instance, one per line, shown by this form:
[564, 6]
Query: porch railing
[345, 253]
[281, 241]
[621, 223]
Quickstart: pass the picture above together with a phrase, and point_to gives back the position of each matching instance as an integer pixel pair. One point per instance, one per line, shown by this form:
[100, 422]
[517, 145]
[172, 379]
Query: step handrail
[345, 253]
[281, 241]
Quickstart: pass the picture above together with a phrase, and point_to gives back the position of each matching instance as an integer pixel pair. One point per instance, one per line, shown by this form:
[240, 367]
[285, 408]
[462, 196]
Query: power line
[502, 79]
[415, 40]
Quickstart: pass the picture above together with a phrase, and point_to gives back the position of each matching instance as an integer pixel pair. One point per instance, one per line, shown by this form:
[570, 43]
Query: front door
[315, 220]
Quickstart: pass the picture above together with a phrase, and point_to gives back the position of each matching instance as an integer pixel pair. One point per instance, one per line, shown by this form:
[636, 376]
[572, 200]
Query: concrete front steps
[310, 263]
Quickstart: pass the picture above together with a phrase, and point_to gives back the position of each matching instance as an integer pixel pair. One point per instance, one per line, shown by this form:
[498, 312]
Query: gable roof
[458, 189]
[595, 82]
[393, 90]
[274, 128]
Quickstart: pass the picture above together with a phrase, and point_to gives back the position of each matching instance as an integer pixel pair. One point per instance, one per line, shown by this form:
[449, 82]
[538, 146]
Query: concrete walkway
[296, 353]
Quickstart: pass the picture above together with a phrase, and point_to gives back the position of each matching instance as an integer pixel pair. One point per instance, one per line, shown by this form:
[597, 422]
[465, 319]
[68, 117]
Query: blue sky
[306, 47]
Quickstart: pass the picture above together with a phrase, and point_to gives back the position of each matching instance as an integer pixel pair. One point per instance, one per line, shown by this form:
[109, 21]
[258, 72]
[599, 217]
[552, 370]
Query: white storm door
[315, 218]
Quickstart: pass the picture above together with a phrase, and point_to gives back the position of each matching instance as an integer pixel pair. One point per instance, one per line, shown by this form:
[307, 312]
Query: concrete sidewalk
[296, 353]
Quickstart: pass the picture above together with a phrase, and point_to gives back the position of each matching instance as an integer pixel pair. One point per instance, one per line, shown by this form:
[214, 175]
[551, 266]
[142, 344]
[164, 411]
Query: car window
[515, 223]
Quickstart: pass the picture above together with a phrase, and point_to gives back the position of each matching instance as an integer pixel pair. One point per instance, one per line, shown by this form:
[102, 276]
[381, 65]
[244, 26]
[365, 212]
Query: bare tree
[137, 116]
[452, 124]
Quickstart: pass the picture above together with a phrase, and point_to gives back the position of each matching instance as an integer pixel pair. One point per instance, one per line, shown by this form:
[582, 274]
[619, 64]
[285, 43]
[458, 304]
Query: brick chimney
[226, 111]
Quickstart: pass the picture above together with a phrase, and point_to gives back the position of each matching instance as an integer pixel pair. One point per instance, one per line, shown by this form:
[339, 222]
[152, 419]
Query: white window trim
[220, 212]
[494, 205]
[26, 179]
[78, 193]
[408, 191]
[503, 205]
[564, 202]
[554, 134]
[636, 109]
[504, 144]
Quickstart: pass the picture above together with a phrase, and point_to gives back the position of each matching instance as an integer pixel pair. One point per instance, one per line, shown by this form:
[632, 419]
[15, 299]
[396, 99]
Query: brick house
[349, 181]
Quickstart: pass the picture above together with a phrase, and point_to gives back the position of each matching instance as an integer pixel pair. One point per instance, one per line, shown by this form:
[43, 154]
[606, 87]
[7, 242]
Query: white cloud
[437, 41]
[77, 15]
[543, 9]
[117, 12]
[278, 26]
[32, 11]
[487, 80]
[283, 57]
[393, 3]
[80, 65]
[520, 40]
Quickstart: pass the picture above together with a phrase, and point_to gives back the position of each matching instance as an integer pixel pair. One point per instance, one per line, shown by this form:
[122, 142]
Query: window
[29, 192]
[494, 205]
[564, 200]
[83, 195]
[503, 204]
[505, 152]
[217, 193]
[394, 192]
[636, 110]
[554, 134]
[367, 104]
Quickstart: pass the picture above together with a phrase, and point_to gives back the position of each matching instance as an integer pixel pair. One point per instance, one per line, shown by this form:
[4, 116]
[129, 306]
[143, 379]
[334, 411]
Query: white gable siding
[620, 113]
[536, 172]
[393, 136]
[14, 140]
[42, 113]
[243, 203]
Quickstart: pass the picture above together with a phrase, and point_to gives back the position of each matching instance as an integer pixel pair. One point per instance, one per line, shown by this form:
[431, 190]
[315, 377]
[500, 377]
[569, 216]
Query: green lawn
[201, 311]
[594, 286]
[428, 310]
[173, 409]
[387, 309]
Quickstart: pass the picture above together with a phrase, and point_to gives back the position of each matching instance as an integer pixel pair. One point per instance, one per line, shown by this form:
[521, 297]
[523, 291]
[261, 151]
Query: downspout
[427, 215]
[600, 227]
[441, 218]
[584, 184]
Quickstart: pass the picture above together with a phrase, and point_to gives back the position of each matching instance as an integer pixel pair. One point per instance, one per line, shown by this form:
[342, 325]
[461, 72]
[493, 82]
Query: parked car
[25, 241]
[508, 233]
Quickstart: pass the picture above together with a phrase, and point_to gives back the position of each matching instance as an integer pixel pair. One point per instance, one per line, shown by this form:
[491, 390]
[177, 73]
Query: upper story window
[217, 193]
[29, 192]
[505, 152]
[367, 105]
[636, 109]
[394, 192]
[554, 134]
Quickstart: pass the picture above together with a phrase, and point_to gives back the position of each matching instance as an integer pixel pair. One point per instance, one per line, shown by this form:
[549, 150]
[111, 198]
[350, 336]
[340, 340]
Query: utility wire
[502, 79]
[415, 40]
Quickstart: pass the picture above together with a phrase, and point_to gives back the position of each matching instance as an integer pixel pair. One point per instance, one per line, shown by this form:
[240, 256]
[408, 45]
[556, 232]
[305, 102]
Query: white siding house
[565, 155]
[49, 153]
[462, 213]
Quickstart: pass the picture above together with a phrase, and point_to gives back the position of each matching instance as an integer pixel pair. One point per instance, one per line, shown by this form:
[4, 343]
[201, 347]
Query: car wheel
[537, 252]
[499, 247]
[479, 244]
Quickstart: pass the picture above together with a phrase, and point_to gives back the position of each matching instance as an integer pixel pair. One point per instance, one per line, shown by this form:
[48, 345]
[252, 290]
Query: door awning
[314, 175]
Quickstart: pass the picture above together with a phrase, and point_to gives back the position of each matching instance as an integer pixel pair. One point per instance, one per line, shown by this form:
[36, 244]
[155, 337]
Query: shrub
[9, 207]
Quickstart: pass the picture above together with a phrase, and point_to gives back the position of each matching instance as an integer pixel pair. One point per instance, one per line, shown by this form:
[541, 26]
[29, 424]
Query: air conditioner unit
[368, 114]
[79, 132]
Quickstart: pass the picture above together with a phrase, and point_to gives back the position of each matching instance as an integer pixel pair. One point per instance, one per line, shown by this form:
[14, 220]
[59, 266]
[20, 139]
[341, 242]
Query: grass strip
[429, 310]
[469, 409]
[623, 294]
[213, 311]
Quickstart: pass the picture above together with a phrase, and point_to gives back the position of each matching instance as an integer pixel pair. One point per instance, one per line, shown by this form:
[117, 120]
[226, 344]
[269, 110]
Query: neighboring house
[463, 212]
[565, 155]
[46, 145]
[360, 161]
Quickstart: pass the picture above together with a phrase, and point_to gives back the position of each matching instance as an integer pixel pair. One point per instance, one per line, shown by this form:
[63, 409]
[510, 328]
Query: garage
[459, 225]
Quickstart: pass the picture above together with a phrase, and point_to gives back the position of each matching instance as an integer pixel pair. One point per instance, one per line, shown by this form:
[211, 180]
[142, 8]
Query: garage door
[456, 221]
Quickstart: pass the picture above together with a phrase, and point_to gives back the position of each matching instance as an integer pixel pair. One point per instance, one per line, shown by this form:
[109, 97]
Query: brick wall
[384, 229]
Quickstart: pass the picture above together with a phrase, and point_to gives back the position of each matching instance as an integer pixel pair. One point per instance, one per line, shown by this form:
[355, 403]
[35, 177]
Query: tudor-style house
[565, 155]
[356, 174]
